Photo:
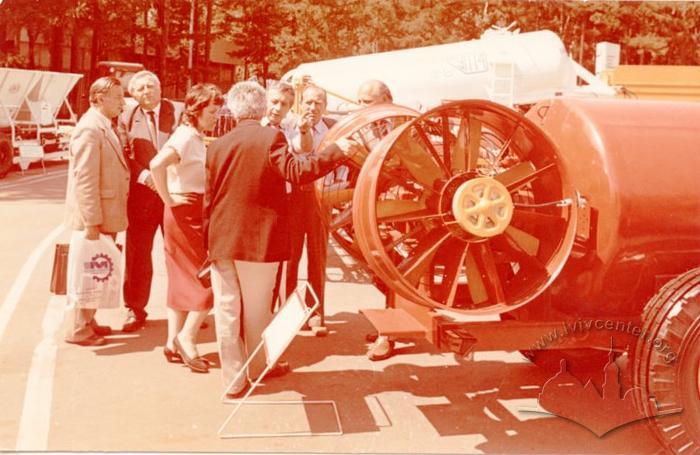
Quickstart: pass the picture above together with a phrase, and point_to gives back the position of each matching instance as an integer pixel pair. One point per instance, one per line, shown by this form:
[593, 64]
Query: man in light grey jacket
[98, 185]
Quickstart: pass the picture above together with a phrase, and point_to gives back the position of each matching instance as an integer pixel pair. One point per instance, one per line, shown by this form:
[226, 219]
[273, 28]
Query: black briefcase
[59, 274]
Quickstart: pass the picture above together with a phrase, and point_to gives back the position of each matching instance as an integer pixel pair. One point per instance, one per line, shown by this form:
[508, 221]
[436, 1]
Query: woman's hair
[102, 86]
[246, 100]
[197, 99]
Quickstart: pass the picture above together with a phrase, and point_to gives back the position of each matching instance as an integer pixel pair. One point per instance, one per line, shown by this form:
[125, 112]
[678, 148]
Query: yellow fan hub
[482, 207]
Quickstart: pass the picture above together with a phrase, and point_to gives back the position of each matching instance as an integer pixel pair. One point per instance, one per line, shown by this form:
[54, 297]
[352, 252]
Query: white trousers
[243, 291]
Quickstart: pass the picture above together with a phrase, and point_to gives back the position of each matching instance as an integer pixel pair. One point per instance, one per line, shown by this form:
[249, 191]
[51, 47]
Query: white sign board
[285, 325]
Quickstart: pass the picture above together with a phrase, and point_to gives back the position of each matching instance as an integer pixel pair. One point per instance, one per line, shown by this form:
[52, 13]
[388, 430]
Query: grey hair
[102, 86]
[140, 75]
[281, 87]
[246, 100]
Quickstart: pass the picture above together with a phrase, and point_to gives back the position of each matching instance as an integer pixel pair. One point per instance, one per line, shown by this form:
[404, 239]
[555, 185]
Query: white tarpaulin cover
[31, 96]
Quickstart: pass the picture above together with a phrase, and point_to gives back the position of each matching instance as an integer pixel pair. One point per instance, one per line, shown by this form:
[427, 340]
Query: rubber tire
[6, 155]
[672, 315]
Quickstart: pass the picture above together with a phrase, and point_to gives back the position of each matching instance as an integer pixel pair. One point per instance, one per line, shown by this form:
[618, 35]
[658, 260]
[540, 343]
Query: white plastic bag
[94, 272]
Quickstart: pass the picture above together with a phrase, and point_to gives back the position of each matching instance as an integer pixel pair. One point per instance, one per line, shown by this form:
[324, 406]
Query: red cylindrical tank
[636, 163]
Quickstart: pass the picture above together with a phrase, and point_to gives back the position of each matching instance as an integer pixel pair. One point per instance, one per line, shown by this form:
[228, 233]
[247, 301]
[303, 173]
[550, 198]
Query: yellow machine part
[656, 82]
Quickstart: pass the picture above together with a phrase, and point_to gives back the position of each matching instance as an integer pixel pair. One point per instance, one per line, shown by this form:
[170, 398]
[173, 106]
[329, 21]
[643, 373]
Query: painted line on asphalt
[34, 423]
[34, 176]
[12, 299]
[37, 179]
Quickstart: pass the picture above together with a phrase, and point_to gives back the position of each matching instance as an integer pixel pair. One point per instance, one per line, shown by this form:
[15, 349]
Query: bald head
[373, 92]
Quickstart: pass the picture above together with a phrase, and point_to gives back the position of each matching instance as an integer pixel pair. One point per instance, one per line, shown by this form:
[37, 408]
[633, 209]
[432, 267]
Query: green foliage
[271, 37]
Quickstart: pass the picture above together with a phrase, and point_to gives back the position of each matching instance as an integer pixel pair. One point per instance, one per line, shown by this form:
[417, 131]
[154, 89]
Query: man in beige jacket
[98, 184]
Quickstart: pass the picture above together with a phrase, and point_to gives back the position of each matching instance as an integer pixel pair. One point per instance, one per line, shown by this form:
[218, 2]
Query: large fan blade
[518, 173]
[397, 210]
[521, 174]
[447, 141]
[524, 218]
[453, 270]
[506, 145]
[431, 149]
[484, 280]
[459, 148]
[529, 265]
[474, 142]
[418, 261]
[477, 288]
[527, 242]
[484, 260]
[417, 161]
[401, 238]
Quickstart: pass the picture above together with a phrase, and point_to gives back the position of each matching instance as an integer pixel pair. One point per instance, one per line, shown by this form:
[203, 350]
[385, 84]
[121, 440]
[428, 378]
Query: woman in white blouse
[179, 174]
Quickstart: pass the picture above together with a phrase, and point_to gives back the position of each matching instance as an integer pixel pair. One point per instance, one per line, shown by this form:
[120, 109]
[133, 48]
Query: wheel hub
[482, 207]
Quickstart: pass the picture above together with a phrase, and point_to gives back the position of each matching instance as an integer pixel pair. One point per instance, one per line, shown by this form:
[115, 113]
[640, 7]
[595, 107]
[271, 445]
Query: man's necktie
[152, 126]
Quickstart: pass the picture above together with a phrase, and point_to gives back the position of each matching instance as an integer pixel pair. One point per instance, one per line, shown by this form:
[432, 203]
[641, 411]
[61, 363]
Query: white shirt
[188, 175]
[285, 126]
[319, 130]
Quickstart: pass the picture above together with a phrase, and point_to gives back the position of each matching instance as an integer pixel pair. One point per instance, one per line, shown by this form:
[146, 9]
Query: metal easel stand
[276, 337]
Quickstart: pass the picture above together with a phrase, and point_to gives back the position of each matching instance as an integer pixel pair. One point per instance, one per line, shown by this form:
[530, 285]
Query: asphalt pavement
[124, 396]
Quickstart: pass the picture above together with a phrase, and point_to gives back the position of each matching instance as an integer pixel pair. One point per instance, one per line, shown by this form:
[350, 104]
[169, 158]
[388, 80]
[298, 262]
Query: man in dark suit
[148, 126]
[246, 221]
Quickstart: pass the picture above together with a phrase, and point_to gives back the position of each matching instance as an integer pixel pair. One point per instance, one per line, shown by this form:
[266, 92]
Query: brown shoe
[102, 330]
[320, 331]
[278, 370]
[92, 340]
[133, 323]
[381, 349]
[239, 394]
[196, 365]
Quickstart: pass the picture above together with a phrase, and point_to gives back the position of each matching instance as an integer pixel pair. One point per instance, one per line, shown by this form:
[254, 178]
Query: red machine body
[636, 165]
[579, 209]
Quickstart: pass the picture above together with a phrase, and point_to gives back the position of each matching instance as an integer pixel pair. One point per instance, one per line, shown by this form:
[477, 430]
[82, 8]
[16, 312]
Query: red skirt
[184, 255]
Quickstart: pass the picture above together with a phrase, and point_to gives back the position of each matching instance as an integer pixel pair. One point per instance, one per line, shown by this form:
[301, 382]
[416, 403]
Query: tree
[253, 27]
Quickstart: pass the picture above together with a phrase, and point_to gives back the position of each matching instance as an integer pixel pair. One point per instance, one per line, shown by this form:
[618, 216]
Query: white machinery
[30, 127]
[502, 66]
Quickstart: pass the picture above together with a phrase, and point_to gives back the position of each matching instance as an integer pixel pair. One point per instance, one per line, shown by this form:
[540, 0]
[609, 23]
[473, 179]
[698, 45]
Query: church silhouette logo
[565, 396]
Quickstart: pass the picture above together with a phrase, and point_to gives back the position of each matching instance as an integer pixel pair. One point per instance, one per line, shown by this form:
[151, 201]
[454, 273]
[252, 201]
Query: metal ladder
[502, 86]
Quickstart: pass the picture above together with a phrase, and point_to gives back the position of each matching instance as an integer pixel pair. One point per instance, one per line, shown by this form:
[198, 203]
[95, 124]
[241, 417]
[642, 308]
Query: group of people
[244, 206]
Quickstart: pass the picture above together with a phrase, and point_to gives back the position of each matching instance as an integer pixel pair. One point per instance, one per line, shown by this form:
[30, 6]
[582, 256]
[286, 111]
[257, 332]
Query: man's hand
[306, 122]
[92, 232]
[349, 146]
[182, 199]
[149, 183]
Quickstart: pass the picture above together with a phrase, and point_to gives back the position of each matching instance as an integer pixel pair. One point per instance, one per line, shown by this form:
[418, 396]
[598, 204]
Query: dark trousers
[306, 223]
[145, 212]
